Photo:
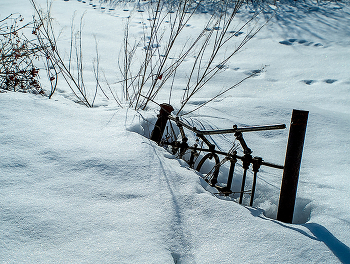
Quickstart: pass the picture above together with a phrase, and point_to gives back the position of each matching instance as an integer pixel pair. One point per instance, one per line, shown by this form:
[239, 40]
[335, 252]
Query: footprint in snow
[253, 72]
[222, 66]
[293, 41]
[236, 34]
[150, 47]
[308, 82]
[330, 81]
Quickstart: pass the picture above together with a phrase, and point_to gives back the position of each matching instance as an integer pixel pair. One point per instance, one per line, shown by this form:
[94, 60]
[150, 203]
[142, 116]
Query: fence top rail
[235, 129]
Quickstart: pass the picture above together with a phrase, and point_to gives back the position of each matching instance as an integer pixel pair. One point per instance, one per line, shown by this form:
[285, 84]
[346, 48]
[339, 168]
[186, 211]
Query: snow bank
[83, 185]
[76, 186]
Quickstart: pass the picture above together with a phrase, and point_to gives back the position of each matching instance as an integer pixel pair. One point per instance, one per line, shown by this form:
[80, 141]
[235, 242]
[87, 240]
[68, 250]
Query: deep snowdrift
[77, 186]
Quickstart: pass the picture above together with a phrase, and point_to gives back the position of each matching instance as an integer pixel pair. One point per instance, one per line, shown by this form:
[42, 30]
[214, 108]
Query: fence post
[158, 130]
[292, 166]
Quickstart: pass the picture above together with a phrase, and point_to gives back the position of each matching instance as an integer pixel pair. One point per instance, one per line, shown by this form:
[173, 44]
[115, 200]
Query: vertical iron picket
[230, 174]
[256, 166]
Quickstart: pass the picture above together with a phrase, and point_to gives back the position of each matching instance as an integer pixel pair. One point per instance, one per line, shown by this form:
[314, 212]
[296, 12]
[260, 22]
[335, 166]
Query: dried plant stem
[208, 48]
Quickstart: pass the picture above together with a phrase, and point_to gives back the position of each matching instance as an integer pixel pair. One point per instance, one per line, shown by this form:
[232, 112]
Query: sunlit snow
[86, 185]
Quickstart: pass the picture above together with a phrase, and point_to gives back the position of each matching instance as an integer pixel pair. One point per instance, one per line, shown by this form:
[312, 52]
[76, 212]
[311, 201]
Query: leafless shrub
[17, 55]
[73, 75]
[44, 31]
[158, 61]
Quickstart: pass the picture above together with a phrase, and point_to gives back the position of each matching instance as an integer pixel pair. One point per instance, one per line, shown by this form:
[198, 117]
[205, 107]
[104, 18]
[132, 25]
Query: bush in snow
[17, 70]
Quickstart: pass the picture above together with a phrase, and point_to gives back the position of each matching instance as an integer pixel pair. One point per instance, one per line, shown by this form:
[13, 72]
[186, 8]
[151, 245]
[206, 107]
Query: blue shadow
[339, 249]
[319, 233]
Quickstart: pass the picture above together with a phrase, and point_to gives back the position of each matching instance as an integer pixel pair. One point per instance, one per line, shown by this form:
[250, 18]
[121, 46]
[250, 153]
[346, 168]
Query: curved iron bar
[214, 179]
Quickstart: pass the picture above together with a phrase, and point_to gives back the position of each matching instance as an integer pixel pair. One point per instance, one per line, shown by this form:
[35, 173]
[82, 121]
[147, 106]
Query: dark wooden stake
[158, 130]
[292, 166]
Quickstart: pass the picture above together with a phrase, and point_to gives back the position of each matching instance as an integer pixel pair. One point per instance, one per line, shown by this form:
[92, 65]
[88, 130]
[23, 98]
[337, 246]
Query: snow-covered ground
[82, 185]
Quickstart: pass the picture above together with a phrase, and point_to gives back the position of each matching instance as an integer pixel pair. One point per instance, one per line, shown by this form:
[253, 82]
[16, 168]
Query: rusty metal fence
[179, 146]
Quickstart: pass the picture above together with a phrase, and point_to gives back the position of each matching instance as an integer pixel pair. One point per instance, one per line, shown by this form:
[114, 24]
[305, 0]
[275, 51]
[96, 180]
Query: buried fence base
[292, 166]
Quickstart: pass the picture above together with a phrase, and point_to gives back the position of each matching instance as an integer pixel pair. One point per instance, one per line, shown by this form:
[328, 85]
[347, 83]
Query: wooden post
[292, 166]
[158, 130]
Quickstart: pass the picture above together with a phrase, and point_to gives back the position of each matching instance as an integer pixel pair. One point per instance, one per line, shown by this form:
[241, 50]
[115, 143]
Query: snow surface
[83, 185]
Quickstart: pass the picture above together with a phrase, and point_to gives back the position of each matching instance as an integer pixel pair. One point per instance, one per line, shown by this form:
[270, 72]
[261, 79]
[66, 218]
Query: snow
[86, 185]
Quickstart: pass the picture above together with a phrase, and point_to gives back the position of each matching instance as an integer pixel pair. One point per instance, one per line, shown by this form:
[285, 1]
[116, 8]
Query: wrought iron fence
[179, 146]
